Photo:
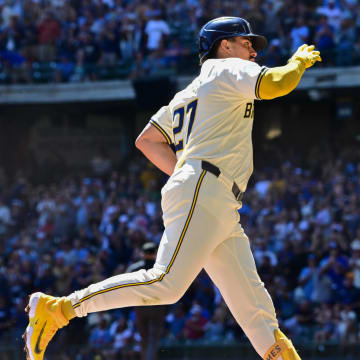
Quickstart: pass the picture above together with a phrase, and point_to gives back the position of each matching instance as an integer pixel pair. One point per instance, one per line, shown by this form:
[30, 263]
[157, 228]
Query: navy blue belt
[205, 165]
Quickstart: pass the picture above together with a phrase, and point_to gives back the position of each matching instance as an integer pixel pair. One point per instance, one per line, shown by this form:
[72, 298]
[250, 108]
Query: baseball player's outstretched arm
[155, 147]
[280, 81]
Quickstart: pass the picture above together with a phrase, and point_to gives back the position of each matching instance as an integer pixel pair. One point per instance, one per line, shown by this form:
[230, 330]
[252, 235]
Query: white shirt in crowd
[299, 36]
[334, 15]
[155, 29]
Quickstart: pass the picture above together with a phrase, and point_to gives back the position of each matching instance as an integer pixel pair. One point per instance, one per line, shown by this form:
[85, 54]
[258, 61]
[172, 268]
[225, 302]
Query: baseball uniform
[211, 122]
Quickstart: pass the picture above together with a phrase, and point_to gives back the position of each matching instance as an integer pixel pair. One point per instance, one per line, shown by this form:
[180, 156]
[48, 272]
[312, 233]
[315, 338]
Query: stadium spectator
[5, 319]
[300, 325]
[100, 335]
[354, 260]
[288, 15]
[345, 39]
[284, 300]
[325, 325]
[216, 327]
[349, 295]
[128, 37]
[333, 12]
[11, 35]
[335, 266]
[174, 52]
[347, 326]
[274, 53]
[324, 38]
[195, 325]
[299, 34]
[101, 163]
[109, 39]
[176, 323]
[64, 70]
[262, 254]
[87, 57]
[272, 18]
[5, 217]
[256, 16]
[96, 35]
[125, 342]
[308, 277]
[48, 31]
[156, 30]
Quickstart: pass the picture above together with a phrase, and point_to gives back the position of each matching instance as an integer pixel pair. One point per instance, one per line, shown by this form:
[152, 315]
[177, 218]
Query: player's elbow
[149, 137]
[140, 142]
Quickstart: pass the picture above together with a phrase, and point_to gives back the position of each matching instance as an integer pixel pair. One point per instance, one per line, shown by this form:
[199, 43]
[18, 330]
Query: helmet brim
[259, 42]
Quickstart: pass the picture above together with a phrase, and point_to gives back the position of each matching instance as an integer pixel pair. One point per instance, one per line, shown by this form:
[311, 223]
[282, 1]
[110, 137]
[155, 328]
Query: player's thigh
[192, 229]
[184, 251]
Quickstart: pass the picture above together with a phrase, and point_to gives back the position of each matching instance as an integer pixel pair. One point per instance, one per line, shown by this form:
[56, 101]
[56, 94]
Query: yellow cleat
[283, 347]
[45, 318]
[290, 353]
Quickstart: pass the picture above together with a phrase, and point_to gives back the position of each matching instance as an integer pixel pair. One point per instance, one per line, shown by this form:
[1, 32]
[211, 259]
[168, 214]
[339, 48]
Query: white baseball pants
[202, 230]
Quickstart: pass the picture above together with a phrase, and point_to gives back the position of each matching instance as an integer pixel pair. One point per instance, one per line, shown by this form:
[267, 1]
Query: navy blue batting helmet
[226, 27]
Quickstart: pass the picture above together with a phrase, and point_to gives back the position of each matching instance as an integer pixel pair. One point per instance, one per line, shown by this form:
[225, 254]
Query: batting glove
[307, 55]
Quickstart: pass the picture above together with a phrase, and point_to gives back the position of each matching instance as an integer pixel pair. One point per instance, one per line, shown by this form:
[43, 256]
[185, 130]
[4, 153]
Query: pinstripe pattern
[258, 81]
[167, 137]
[183, 232]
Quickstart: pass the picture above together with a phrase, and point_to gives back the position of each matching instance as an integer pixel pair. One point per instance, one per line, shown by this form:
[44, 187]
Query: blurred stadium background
[80, 78]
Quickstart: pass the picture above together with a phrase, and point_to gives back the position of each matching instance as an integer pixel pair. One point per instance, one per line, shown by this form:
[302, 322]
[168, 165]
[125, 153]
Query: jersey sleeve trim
[167, 137]
[258, 81]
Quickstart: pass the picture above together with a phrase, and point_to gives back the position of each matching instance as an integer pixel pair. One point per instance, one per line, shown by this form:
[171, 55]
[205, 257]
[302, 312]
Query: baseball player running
[210, 124]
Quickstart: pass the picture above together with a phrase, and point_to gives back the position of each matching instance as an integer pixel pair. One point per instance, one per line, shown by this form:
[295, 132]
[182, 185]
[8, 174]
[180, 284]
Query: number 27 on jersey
[185, 114]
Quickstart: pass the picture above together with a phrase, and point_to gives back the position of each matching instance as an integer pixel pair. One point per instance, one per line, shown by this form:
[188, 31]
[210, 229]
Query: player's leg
[232, 268]
[192, 232]
[194, 227]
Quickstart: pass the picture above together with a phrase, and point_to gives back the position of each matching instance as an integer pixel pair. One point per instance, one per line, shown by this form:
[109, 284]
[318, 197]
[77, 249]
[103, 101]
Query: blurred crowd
[301, 214]
[77, 40]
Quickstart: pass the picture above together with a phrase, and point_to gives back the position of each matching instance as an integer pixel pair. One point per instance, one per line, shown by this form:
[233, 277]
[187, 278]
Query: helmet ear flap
[204, 48]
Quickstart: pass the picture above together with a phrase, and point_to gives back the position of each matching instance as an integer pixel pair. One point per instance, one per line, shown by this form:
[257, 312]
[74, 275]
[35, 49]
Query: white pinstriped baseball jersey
[213, 116]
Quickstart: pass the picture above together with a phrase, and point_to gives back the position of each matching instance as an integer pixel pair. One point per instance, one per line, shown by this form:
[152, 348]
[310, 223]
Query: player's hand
[307, 55]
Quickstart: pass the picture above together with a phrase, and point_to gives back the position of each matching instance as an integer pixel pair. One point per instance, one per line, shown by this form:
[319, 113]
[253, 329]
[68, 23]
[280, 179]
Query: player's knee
[168, 290]
[172, 299]
[165, 297]
[173, 294]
